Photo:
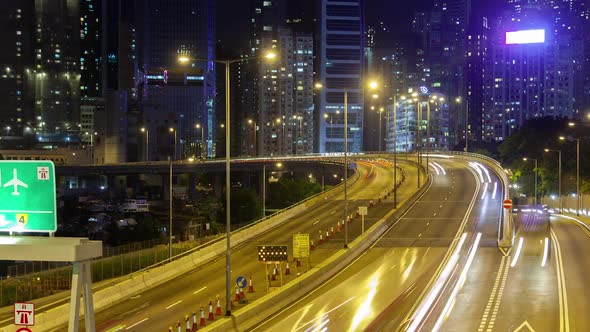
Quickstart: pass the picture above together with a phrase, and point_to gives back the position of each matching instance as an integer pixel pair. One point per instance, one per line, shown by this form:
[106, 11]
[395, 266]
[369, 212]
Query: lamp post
[227, 64]
[147, 142]
[458, 100]
[171, 193]
[536, 170]
[91, 146]
[571, 124]
[559, 175]
[198, 126]
[381, 109]
[173, 130]
[255, 145]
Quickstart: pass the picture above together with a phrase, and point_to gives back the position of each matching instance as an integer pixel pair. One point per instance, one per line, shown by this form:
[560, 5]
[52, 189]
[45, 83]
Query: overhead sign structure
[24, 313]
[27, 196]
[507, 204]
[300, 245]
[272, 253]
[525, 37]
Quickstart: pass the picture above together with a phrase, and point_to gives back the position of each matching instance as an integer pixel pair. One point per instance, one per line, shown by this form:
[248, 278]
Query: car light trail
[441, 168]
[545, 252]
[518, 249]
[485, 190]
[429, 300]
[495, 190]
[447, 309]
[435, 168]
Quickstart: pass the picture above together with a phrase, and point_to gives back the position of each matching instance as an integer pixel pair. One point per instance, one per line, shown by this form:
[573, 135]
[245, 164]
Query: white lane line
[545, 252]
[134, 325]
[485, 191]
[564, 323]
[486, 312]
[498, 299]
[173, 304]
[332, 213]
[324, 315]
[517, 254]
[317, 221]
[199, 290]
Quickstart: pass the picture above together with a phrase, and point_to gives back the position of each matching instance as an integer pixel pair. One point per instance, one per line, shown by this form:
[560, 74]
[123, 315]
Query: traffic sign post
[300, 245]
[27, 196]
[241, 282]
[507, 204]
[363, 213]
[24, 313]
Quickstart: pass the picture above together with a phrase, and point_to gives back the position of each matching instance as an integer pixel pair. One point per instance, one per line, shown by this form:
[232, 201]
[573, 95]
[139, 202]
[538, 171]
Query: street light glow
[373, 85]
[318, 85]
[171, 129]
[183, 59]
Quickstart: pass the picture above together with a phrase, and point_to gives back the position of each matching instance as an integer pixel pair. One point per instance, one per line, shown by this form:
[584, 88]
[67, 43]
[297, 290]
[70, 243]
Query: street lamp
[559, 181]
[562, 138]
[381, 109]
[255, 129]
[227, 63]
[172, 130]
[458, 100]
[91, 145]
[536, 172]
[198, 126]
[147, 142]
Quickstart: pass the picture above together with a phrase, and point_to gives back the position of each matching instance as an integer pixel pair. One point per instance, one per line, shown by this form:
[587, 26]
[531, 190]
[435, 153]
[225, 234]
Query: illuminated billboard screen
[525, 37]
[175, 76]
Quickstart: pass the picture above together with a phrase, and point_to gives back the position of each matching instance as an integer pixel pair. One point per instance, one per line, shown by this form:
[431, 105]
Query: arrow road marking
[524, 325]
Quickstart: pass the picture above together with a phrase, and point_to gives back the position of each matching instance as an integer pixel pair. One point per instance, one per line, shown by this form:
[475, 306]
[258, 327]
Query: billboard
[525, 37]
[175, 76]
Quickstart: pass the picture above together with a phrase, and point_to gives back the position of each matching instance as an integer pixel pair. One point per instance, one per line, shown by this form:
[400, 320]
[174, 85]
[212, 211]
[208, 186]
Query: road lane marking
[523, 325]
[324, 315]
[499, 298]
[332, 213]
[564, 323]
[518, 250]
[116, 328]
[173, 304]
[545, 252]
[317, 221]
[484, 318]
[134, 325]
[198, 290]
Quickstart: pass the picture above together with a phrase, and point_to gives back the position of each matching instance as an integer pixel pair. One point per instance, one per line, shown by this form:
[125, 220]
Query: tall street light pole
[536, 171]
[559, 175]
[147, 142]
[345, 168]
[173, 130]
[170, 193]
[202, 148]
[227, 64]
[571, 124]
[255, 145]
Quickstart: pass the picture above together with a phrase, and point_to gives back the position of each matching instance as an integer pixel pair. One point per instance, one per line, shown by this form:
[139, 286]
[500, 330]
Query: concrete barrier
[256, 312]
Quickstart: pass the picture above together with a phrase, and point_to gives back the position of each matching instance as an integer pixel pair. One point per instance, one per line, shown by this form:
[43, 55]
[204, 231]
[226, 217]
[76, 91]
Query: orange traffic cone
[331, 230]
[211, 315]
[195, 323]
[311, 245]
[287, 270]
[327, 235]
[242, 295]
[170, 329]
[187, 323]
[338, 227]
[218, 311]
[321, 239]
[237, 297]
[178, 327]
[250, 286]
[202, 321]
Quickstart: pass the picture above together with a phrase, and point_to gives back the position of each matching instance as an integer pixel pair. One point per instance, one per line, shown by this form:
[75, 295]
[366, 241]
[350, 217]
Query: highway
[156, 309]
[380, 289]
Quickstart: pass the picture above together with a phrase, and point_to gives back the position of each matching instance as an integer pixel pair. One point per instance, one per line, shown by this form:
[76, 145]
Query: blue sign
[352, 165]
[242, 282]
[424, 90]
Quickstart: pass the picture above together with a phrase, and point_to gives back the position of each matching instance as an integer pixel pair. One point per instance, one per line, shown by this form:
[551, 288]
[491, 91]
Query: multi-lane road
[164, 306]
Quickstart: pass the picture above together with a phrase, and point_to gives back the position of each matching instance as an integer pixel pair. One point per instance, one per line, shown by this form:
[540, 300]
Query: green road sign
[27, 196]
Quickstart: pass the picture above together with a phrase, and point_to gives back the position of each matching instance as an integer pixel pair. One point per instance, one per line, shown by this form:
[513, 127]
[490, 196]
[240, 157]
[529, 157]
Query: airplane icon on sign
[15, 182]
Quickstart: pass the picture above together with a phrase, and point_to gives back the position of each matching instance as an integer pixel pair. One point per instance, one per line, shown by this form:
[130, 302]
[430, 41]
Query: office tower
[177, 95]
[341, 70]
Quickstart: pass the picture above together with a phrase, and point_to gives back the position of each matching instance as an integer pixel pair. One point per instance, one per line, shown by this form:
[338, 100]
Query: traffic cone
[195, 324]
[274, 274]
[287, 270]
[250, 286]
[237, 297]
[178, 327]
[338, 227]
[327, 235]
[187, 323]
[349, 219]
[218, 311]
[331, 230]
[311, 245]
[202, 321]
[298, 262]
[170, 329]
[211, 315]
[321, 239]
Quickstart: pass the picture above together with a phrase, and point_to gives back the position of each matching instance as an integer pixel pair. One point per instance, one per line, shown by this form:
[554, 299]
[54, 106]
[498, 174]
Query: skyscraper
[173, 105]
[341, 70]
